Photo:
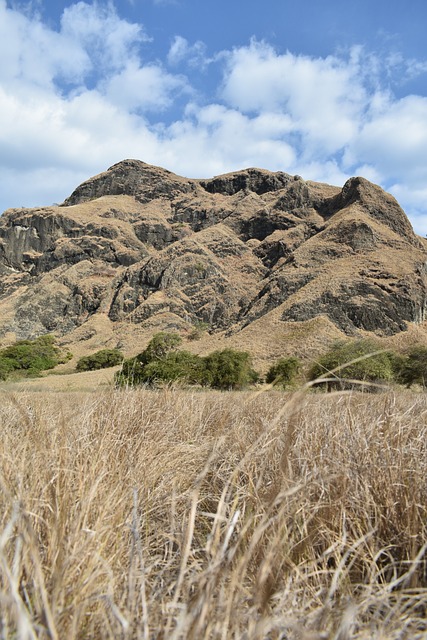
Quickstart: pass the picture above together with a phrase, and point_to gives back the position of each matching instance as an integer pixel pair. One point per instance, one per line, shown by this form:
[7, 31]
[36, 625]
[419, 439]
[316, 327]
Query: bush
[161, 361]
[100, 360]
[177, 365]
[229, 369]
[133, 369]
[284, 372]
[30, 357]
[378, 368]
[5, 368]
[159, 346]
[413, 368]
[131, 373]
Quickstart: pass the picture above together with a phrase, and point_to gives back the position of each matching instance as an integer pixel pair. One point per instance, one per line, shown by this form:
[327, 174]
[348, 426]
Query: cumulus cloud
[181, 51]
[76, 99]
[394, 139]
[33, 55]
[144, 88]
[107, 40]
[324, 97]
[46, 72]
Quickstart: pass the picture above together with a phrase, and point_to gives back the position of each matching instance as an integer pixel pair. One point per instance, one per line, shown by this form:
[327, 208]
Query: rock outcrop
[139, 248]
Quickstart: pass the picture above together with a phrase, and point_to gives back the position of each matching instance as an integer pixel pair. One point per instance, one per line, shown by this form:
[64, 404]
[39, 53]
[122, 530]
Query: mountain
[261, 260]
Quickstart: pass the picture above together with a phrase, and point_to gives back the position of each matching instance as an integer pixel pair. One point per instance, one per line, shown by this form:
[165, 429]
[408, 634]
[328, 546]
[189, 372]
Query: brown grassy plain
[178, 514]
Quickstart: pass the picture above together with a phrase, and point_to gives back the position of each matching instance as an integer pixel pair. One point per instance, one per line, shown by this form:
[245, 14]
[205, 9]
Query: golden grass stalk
[180, 514]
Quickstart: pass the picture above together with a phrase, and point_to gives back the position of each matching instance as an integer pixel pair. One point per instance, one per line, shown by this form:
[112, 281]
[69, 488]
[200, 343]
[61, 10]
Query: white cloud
[394, 140]
[33, 55]
[181, 51]
[92, 40]
[107, 39]
[369, 172]
[31, 131]
[406, 69]
[222, 139]
[41, 124]
[143, 88]
[414, 200]
[324, 97]
[178, 51]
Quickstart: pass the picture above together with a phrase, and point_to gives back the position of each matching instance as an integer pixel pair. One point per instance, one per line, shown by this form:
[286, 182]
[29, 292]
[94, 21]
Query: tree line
[346, 364]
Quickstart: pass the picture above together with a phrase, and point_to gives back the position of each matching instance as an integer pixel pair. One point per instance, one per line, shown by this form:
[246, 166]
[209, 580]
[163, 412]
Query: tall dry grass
[172, 514]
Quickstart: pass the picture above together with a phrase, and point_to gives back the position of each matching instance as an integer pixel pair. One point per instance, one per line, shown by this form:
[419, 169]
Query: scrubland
[183, 514]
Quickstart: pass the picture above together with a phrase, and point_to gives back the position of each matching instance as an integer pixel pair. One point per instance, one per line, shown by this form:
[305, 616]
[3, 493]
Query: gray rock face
[132, 178]
[364, 305]
[200, 274]
[41, 239]
[256, 180]
[137, 243]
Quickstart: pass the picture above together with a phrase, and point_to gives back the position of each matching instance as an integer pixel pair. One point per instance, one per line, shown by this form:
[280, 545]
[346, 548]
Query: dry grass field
[178, 514]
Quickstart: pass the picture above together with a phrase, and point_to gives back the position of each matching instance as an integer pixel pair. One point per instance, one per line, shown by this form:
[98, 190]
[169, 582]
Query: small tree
[229, 369]
[283, 372]
[131, 373]
[159, 346]
[413, 368]
[100, 360]
[359, 360]
[175, 366]
[30, 357]
[133, 369]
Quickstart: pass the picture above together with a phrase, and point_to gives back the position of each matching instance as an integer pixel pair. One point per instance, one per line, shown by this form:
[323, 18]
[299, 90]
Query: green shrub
[161, 361]
[413, 368]
[100, 360]
[378, 368]
[133, 369]
[229, 369]
[30, 357]
[131, 373]
[5, 368]
[283, 372]
[176, 365]
[159, 346]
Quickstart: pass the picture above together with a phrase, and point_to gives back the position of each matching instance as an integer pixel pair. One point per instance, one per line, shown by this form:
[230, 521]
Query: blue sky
[326, 90]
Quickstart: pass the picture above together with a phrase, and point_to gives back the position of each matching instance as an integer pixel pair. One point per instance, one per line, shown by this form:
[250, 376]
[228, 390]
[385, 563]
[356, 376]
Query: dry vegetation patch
[172, 514]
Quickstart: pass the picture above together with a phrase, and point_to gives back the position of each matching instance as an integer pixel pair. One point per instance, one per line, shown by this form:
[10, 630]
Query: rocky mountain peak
[376, 202]
[132, 178]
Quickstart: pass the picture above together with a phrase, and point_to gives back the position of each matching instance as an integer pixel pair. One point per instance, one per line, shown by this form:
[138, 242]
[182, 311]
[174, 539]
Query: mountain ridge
[138, 248]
